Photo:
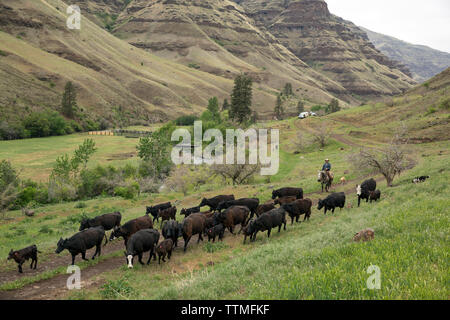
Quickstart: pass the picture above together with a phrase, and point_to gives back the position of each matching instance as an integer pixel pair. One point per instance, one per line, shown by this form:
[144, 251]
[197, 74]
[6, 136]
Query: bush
[114, 289]
[80, 205]
[44, 124]
[128, 192]
[445, 104]
[186, 120]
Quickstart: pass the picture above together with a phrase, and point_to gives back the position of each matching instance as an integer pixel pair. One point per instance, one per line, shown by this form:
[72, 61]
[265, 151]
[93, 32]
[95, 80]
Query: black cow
[420, 179]
[154, 210]
[131, 227]
[192, 225]
[251, 203]
[214, 202]
[363, 190]
[163, 249]
[333, 201]
[171, 230]
[142, 241]
[297, 208]
[22, 255]
[266, 222]
[107, 221]
[217, 230]
[285, 192]
[375, 195]
[187, 212]
[82, 241]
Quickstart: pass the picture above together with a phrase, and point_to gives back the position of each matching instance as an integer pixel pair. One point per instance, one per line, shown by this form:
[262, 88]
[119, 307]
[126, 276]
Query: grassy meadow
[312, 260]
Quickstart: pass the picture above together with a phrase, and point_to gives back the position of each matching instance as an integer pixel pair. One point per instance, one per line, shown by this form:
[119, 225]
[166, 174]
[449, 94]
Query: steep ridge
[331, 45]
[216, 36]
[424, 62]
[39, 54]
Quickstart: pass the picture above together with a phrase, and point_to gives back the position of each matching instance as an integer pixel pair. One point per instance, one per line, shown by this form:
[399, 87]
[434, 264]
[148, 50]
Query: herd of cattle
[140, 235]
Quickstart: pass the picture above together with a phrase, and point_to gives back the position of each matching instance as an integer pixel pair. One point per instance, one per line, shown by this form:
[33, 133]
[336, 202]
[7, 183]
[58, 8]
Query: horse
[324, 179]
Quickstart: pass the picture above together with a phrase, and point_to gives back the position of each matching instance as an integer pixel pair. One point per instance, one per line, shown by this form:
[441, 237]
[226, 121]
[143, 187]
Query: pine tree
[279, 112]
[225, 106]
[213, 107]
[241, 98]
[334, 106]
[300, 107]
[69, 100]
[288, 89]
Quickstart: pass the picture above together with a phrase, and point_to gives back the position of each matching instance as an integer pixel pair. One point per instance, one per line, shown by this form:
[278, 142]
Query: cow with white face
[142, 241]
[363, 190]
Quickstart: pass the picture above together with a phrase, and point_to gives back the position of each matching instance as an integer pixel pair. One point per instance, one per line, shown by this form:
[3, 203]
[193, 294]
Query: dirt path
[53, 261]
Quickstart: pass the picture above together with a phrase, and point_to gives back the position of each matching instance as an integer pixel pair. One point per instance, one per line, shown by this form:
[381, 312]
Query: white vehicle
[303, 115]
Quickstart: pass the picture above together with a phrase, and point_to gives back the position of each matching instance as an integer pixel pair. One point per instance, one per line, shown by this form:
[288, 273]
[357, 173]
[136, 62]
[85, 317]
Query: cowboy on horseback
[327, 168]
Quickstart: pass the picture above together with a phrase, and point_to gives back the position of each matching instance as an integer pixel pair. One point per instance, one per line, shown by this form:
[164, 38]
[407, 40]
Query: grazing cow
[187, 212]
[264, 208]
[365, 235]
[363, 190]
[374, 195]
[192, 225]
[82, 241]
[215, 231]
[284, 200]
[266, 222]
[209, 222]
[171, 230]
[233, 216]
[163, 249]
[333, 201]
[343, 180]
[142, 241]
[285, 192]
[107, 221]
[22, 255]
[167, 214]
[251, 203]
[131, 227]
[297, 208]
[214, 202]
[155, 209]
[420, 179]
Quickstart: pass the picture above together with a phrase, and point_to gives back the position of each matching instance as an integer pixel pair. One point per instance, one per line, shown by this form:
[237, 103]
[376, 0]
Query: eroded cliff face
[329, 44]
[218, 37]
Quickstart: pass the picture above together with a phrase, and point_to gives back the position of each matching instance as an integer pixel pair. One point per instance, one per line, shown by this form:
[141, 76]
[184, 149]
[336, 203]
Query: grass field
[312, 260]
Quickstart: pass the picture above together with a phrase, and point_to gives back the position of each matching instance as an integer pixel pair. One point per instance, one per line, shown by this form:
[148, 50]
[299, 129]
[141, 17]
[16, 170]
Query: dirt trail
[53, 261]
[55, 288]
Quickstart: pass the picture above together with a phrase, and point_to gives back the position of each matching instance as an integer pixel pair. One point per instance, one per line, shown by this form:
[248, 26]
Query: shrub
[114, 289]
[445, 104]
[186, 120]
[46, 229]
[44, 124]
[80, 205]
[128, 192]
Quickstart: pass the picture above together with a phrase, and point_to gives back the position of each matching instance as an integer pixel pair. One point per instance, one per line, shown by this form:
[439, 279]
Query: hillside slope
[424, 62]
[39, 54]
[425, 110]
[331, 45]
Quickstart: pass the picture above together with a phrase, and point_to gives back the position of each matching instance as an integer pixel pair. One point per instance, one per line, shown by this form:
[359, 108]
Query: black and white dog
[420, 179]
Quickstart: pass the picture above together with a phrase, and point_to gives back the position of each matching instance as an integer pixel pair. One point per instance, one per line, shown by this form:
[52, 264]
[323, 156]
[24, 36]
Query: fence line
[120, 132]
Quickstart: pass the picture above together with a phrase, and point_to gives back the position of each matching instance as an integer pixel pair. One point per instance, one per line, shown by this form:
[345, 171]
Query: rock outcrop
[331, 45]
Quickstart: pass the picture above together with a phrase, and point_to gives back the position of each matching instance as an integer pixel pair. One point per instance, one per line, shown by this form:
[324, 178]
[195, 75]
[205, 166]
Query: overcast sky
[425, 22]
